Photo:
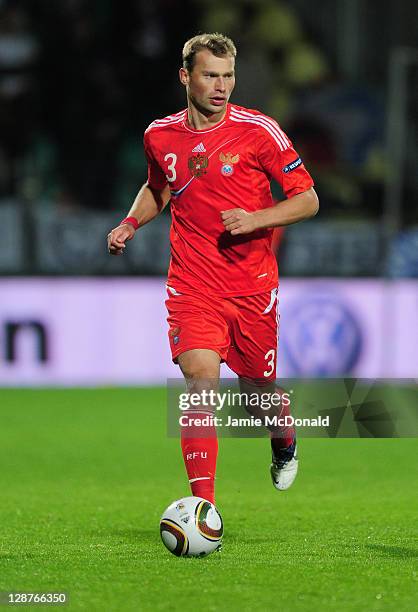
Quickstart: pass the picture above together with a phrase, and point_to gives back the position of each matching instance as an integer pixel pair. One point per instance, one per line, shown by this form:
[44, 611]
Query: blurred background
[79, 82]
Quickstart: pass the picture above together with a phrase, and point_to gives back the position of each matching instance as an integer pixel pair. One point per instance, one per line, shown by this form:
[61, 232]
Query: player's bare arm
[297, 208]
[147, 205]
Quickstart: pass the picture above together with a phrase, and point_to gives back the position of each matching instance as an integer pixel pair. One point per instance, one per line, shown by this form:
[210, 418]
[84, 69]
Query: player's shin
[283, 435]
[277, 408]
[199, 445]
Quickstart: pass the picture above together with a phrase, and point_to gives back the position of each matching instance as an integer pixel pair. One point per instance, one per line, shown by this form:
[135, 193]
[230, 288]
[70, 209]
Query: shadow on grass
[400, 552]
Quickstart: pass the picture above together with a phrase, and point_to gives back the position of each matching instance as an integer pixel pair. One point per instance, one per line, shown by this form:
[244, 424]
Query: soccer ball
[191, 527]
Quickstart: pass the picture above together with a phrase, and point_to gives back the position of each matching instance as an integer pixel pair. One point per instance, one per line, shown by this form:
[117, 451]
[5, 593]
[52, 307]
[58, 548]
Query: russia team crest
[228, 160]
[198, 164]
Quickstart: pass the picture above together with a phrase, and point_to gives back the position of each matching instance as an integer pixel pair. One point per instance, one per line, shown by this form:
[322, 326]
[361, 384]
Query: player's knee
[200, 364]
[200, 371]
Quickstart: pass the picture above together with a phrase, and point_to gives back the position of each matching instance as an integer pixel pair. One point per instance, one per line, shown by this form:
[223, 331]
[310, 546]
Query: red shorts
[242, 330]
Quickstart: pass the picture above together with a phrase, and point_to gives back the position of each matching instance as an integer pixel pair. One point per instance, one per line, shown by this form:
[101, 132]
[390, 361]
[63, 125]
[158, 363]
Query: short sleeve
[156, 177]
[280, 160]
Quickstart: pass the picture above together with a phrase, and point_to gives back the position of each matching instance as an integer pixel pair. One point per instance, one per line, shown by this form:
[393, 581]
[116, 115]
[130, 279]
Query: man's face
[210, 83]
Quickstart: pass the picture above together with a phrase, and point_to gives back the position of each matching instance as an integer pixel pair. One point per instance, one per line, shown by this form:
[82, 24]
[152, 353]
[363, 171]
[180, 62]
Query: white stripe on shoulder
[154, 124]
[171, 117]
[266, 119]
[269, 124]
[267, 128]
[170, 120]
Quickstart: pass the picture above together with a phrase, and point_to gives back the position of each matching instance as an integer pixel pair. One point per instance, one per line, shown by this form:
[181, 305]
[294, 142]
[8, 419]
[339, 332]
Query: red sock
[200, 450]
[285, 436]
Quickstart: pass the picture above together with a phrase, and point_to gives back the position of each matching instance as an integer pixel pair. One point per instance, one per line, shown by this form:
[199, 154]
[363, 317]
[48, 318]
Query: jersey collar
[212, 129]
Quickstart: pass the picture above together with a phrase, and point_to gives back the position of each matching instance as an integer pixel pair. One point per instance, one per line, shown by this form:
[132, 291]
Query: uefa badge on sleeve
[228, 160]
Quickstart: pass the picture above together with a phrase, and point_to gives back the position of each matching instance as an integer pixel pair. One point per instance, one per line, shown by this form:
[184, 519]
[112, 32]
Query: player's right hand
[116, 239]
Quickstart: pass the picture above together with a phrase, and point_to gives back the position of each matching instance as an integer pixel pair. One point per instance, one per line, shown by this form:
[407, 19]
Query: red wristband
[130, 220]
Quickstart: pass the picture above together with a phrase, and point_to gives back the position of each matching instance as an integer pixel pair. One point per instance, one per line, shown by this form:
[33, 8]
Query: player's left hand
[238, 221]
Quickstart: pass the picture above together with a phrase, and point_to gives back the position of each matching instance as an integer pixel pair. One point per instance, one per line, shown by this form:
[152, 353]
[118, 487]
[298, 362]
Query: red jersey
[227, 166]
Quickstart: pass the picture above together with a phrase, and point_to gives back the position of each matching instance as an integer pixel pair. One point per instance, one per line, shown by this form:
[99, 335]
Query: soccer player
[214, 162]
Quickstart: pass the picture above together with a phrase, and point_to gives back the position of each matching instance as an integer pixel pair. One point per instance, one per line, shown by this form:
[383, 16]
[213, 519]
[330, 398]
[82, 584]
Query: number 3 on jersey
[270, 355]
[172, 157]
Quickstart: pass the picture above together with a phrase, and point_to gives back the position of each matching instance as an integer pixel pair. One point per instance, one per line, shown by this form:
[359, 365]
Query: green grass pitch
[85, 475]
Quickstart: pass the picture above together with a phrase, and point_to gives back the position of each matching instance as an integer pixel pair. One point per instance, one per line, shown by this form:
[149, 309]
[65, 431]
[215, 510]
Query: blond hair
[218, 44]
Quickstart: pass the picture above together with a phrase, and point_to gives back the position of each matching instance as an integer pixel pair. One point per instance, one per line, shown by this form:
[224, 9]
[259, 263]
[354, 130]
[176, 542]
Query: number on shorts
[171, 167]
[270, 355]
